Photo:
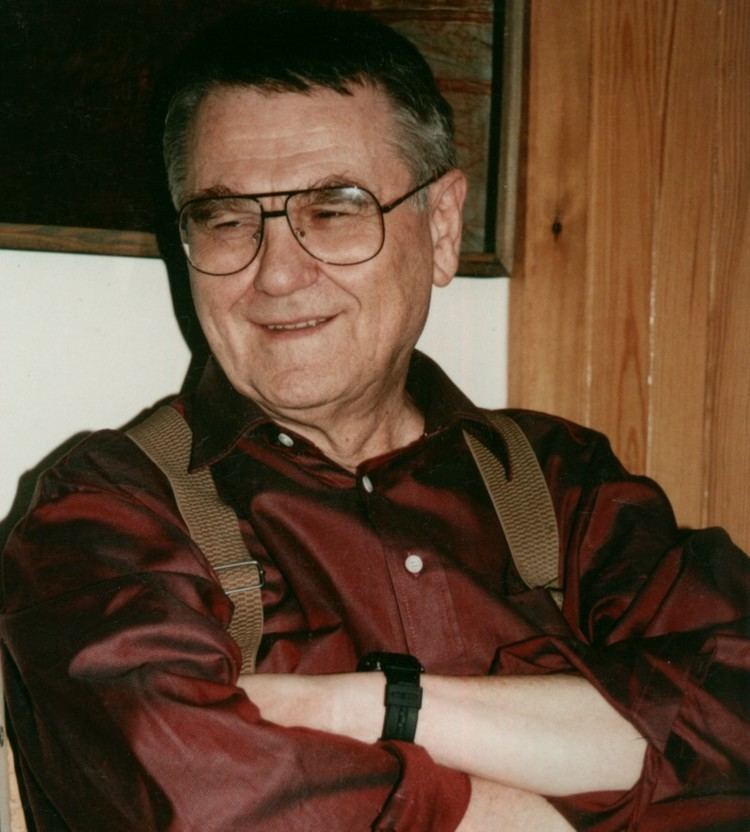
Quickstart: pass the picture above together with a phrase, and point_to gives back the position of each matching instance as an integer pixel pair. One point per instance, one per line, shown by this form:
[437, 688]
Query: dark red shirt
[121, 676]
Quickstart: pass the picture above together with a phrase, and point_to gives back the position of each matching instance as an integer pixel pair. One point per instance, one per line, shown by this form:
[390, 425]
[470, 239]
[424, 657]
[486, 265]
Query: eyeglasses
[340, 225]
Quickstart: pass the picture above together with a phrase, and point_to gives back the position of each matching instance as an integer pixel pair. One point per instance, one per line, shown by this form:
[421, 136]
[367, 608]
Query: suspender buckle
[250, 575]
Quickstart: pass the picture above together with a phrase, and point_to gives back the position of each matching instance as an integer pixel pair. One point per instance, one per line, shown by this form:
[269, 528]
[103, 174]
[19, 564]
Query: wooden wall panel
[627, 91]
[728, 394]
[549, 308]
[682, 254]
[633, 315]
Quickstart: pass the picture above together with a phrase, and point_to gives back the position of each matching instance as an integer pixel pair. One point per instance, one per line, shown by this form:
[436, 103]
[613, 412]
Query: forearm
[494, 806]
[551, 735]
[353, 704]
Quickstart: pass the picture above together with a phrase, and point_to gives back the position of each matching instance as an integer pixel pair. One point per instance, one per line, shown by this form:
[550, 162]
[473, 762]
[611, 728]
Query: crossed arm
[517, 737]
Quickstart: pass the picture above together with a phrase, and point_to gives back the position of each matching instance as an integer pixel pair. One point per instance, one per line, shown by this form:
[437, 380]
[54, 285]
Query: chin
[297, 402]
[304, 390]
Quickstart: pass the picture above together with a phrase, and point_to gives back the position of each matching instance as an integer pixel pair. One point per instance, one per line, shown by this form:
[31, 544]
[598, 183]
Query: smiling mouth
[310, 324]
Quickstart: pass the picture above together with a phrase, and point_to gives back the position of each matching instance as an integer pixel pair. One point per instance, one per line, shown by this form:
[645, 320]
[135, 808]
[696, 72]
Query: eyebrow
[329, 181]
[211, 193]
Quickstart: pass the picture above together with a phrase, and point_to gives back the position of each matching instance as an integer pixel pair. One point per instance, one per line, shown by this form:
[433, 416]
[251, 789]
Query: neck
[349, 436]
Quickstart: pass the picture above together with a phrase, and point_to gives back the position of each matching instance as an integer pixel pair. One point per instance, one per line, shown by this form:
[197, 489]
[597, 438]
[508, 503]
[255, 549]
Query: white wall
[87, 342]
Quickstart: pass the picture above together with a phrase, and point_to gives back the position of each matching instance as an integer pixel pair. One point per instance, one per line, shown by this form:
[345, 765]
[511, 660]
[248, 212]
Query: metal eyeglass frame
[282, 212]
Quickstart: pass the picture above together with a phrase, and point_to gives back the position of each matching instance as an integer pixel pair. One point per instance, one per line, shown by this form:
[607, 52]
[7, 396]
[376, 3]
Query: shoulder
[108, 461]
[102, 511]
[557, 440]
[537, 425]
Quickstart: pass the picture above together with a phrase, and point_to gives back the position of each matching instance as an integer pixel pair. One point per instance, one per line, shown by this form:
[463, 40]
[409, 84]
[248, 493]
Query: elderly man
[311, 164]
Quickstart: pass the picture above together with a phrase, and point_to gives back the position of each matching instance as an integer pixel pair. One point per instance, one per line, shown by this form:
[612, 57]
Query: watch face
[390, 662]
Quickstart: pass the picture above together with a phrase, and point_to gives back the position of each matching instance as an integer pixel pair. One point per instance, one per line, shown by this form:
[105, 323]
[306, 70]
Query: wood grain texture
[78, 240]
[634, 317]
[629, 66]
[548, 293]
[728, 377]
[681, 267]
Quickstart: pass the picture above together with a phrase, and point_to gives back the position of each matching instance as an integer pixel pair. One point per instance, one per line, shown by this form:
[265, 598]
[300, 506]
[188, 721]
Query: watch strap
[403, 693]
[402, 703]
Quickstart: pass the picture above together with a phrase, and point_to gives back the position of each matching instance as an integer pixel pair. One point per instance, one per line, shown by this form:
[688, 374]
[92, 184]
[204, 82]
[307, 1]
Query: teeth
[303, 325]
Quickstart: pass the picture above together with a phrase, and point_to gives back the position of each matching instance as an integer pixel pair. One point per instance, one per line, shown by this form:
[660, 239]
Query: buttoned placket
[417, 575]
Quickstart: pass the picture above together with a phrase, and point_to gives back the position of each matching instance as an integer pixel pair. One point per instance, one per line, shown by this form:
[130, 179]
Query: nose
[282, 265]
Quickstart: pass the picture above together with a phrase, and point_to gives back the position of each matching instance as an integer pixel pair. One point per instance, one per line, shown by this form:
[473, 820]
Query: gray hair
[301, 49]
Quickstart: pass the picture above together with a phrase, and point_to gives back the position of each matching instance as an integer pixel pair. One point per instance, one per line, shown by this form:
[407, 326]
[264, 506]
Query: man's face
[291, 332]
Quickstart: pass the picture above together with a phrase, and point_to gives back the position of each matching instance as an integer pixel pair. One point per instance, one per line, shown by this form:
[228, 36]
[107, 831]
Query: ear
[447, 197]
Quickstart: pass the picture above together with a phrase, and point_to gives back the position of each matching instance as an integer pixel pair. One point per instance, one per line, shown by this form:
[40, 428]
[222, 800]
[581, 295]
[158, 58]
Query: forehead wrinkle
[256, 140]
[225, 151]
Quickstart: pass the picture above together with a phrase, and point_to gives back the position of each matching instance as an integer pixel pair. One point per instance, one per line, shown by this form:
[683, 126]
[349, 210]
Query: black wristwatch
[403, 693]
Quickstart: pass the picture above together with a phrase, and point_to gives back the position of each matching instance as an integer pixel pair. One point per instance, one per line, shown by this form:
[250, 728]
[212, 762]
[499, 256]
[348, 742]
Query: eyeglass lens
[340, 226]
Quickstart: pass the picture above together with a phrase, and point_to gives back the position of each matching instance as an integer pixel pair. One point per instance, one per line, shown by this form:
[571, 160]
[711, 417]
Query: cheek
[408, 284]
[395, 312]
[214, 301]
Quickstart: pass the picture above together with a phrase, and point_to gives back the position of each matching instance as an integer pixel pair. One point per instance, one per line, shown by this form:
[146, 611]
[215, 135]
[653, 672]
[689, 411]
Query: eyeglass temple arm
[384, 209]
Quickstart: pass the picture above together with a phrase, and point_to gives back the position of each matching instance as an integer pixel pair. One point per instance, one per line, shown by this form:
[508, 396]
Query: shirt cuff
[428, 796]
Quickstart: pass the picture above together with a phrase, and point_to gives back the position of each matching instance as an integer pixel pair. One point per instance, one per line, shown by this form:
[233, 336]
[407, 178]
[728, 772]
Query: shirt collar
[437, 397]
[220, 416]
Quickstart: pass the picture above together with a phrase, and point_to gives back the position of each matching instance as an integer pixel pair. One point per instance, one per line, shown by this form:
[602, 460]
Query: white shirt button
[414, 564]
[367, 484]
[286, 440]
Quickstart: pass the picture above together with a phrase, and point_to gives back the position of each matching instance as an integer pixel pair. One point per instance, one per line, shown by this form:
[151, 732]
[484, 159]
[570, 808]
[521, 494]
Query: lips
[311, 323]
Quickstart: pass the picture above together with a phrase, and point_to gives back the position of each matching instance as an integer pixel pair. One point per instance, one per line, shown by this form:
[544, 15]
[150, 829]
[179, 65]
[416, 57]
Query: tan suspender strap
[523, 505]
[166, 438]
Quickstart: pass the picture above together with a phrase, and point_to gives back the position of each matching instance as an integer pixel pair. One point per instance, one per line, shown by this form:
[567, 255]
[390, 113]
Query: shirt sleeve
[658, 622]
[121, 683]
